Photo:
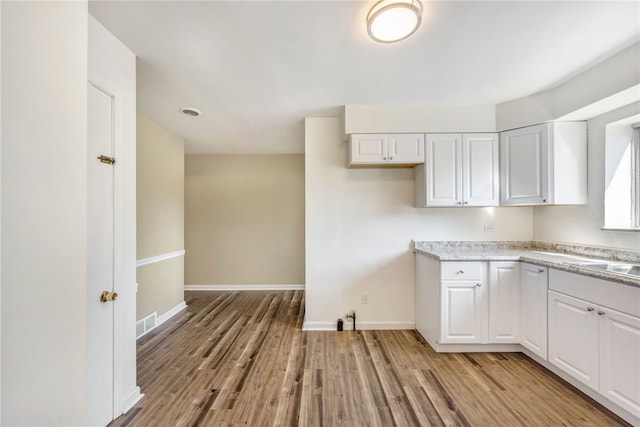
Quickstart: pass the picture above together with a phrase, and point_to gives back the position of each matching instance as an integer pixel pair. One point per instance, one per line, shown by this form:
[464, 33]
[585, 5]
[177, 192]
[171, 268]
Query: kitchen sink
[631, 269]
[556, 254]
[613, 267]
[552, 253]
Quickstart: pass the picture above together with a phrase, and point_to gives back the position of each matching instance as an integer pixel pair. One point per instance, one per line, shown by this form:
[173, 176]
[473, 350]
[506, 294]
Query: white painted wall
[44, 131]
[613, 75]
[0, 209]
[359, 224]
[114, 62]
[581, 224]
[418, 119]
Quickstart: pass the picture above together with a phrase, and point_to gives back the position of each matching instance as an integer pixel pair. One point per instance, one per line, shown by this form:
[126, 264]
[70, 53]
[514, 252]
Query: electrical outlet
[489, 228]
[364, 298]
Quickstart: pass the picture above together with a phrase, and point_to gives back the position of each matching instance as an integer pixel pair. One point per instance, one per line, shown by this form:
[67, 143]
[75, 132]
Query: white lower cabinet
[619, 336]
[480, 303]
[597, 345]
[573, 337]
[464, 304]
[504, 302]
[588, 328]
[533, 308]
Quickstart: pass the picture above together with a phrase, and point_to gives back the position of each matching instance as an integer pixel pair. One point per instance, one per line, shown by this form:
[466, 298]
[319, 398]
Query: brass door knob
[108, 296]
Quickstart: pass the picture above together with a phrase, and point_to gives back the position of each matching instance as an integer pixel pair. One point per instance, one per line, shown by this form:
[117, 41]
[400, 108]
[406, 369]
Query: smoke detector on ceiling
[189, 111]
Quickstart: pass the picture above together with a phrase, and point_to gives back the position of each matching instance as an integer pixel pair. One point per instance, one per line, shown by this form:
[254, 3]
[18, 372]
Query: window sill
[620, 228]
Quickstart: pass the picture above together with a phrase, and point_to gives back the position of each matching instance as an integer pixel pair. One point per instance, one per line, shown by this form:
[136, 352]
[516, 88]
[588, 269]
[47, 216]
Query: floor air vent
[146, 324]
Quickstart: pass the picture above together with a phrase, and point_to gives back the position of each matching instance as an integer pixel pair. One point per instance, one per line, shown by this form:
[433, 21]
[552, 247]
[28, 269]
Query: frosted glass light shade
[390, 21]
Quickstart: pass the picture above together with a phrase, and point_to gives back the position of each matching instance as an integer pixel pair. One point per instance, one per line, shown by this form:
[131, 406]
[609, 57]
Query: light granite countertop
[552, 255]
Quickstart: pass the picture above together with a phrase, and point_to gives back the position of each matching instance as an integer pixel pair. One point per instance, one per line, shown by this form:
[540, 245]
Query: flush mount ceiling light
[390, 21]
[189, 111]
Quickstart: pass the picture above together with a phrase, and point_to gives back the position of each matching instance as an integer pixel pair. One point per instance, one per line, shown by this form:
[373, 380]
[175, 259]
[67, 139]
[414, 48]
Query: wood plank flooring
[241, 359]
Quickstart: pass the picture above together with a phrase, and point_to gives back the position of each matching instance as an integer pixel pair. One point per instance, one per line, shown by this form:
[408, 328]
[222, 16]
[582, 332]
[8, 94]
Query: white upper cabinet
[480, 170]
[386, 149]
[406, 148]
[459, 170]
[368, 149]
[544, 164]
[443, 170]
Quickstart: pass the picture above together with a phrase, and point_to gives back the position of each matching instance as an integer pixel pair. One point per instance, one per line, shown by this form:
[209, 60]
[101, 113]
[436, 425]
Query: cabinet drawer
[461, 270]
[614, 295]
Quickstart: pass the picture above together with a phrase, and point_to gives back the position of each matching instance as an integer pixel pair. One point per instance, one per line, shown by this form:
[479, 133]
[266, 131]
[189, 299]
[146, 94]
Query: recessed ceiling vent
[189, 111]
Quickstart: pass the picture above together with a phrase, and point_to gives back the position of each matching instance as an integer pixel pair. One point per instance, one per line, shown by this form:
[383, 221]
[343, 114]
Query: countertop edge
[531, 258]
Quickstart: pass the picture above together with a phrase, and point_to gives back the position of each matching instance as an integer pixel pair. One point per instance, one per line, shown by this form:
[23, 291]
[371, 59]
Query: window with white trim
[635, 152]
[622, 174]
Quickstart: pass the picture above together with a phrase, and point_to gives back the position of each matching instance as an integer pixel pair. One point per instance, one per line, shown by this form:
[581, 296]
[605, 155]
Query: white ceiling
[256, 69]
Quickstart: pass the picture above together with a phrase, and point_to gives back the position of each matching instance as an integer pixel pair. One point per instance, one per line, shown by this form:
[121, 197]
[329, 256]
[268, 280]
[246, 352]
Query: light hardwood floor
[241, 359]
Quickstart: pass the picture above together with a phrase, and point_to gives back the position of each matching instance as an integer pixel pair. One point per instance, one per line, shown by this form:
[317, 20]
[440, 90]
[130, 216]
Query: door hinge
[106, 159]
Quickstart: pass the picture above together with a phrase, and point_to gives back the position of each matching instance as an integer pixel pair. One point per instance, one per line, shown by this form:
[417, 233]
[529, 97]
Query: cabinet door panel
[463, 311]
[620, 358]
[573, 337]
[368, 148]
[480, 169]
[504, 302]
[406, 148]
[524, 165]
[443, 169]
[533, 308]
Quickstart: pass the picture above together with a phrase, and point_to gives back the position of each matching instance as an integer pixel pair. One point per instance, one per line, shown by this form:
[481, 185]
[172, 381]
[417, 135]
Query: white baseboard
[364, 325]
[131, 400]
[265, 287]
[169, 314]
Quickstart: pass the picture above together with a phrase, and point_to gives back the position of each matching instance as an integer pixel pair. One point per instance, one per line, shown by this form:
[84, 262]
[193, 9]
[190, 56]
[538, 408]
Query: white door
[443, 168]
[463, 312]
[620, 358]
[406, 148]
[533, 308]
[524, 165]
[480, 169]
[504, 302]
[100, 248]
[573, 337]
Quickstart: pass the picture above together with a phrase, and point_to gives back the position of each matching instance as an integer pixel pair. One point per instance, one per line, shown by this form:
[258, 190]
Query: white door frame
[118, 237]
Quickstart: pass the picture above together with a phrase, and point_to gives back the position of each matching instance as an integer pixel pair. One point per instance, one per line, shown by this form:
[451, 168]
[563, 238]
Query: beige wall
[161, 286]
[244, 219]
[160, 217]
